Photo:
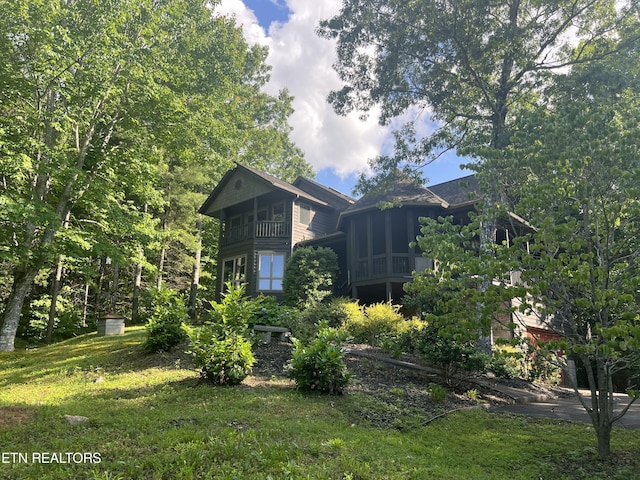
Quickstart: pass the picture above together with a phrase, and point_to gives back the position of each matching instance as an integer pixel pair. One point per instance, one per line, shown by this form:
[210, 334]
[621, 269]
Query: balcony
[378, 266]
[264, 229]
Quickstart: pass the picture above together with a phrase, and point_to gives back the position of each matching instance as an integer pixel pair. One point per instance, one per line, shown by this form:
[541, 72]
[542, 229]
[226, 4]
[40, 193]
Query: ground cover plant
[152, 417]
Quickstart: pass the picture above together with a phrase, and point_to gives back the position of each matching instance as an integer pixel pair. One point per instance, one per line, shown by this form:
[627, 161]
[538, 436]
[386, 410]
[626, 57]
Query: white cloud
[301, 61]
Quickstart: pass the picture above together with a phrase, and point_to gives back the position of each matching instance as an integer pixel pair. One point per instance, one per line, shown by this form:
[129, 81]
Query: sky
[337, 147]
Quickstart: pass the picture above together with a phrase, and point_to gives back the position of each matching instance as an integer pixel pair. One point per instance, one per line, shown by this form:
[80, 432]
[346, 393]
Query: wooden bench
[268, 330]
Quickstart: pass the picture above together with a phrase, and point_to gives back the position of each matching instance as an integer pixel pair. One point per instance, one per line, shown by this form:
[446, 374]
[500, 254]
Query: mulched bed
[396, 392]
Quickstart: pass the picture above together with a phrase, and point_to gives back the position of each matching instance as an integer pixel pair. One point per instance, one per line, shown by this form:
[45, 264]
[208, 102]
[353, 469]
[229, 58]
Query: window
[234, 271]
[270, 271]
[277, 211]
[305, 214]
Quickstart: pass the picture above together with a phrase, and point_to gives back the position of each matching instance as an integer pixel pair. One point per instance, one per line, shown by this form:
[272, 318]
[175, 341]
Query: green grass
[152, 422]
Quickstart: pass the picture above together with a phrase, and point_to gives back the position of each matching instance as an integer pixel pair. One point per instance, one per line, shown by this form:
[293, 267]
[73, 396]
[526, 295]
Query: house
[262, 219]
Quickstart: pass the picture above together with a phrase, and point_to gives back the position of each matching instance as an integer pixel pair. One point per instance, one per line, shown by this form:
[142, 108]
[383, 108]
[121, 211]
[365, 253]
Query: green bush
[221, 348]
[271, 313]
[437, 393]
[309, 275]
[333, 313]
[164, 328]
[320, 365]
[235, 311]
[224, 357]
[447, 354]
[380, 325]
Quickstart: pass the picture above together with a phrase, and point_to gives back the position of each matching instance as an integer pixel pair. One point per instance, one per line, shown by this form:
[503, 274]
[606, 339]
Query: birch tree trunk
[195, 277]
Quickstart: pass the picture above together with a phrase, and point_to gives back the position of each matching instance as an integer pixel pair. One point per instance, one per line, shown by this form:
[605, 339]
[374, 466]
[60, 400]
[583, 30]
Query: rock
[75, 419]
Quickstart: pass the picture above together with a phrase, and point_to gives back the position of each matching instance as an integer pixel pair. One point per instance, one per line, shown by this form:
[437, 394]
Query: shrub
[235, 311]
[449, 355]
[223, 356]
[309, 275]
[221, 348]
[380, 325]
[320, 365]
[334, 313]
[437, 393]
[164, 328]
[271, 313]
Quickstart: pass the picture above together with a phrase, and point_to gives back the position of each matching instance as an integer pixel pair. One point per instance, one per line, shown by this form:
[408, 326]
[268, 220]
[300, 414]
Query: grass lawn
[151, 422]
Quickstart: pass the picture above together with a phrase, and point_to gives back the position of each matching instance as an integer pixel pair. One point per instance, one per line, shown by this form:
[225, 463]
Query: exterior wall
[322, 222]
[242, 188]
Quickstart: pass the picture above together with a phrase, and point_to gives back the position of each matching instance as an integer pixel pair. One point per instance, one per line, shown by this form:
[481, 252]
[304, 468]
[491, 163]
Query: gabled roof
[330, 195]
[265, 179]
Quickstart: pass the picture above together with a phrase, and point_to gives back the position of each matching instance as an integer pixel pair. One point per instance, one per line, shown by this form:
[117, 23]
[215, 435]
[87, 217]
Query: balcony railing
[378, 266]
[262, 229]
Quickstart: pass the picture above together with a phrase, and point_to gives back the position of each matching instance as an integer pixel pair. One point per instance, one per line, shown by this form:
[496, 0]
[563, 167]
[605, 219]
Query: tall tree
[573, 171]
[107, 107]
[465, 63]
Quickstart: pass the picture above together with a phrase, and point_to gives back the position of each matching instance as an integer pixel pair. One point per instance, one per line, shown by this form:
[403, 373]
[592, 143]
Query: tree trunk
[55, 289]
[135, 301]
[22, 282]
[604, 441]
[195, 277]
[113, 294]
[85, 303]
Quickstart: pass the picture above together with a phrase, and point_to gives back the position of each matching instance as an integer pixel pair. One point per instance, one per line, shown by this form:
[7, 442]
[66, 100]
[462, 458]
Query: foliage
[271, 313]
[164, 327]
[334, 312]
[572, 172]
[235, 311]
[309, 275]
[469, 63]
[437, 393]
[221, 348]
[451, 356]
[380, 324]
[107, 148]
[223, 356]
[158, 421]
[320, 365]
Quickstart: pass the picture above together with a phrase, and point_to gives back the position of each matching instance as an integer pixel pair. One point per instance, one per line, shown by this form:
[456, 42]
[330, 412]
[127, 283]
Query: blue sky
[337, 147]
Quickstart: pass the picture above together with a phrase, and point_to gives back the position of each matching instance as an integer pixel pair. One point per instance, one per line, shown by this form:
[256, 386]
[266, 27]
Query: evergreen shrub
[319, 366]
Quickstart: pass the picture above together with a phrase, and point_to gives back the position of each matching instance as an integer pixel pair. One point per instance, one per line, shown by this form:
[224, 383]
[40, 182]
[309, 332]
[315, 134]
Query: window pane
[276, 285]
[264, 284]
[278, 266]
[265, 266]
[305, 214]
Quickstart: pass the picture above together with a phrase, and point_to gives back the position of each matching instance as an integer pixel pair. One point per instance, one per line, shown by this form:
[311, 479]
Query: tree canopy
[572, 170]
[464, 64]
[116, 118]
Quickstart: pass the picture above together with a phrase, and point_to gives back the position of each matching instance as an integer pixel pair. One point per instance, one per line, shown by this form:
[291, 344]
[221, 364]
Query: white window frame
[270, 278]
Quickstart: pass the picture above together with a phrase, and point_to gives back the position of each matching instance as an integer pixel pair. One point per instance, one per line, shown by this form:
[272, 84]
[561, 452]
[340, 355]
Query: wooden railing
[263, 229]
[378, 266]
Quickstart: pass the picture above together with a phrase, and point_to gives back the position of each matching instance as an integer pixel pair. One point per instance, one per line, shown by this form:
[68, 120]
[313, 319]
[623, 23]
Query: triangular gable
[245, 183]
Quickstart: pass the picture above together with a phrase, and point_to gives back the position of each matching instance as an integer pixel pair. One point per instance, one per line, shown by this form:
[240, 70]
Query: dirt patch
[13, 415]
[393, 392]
